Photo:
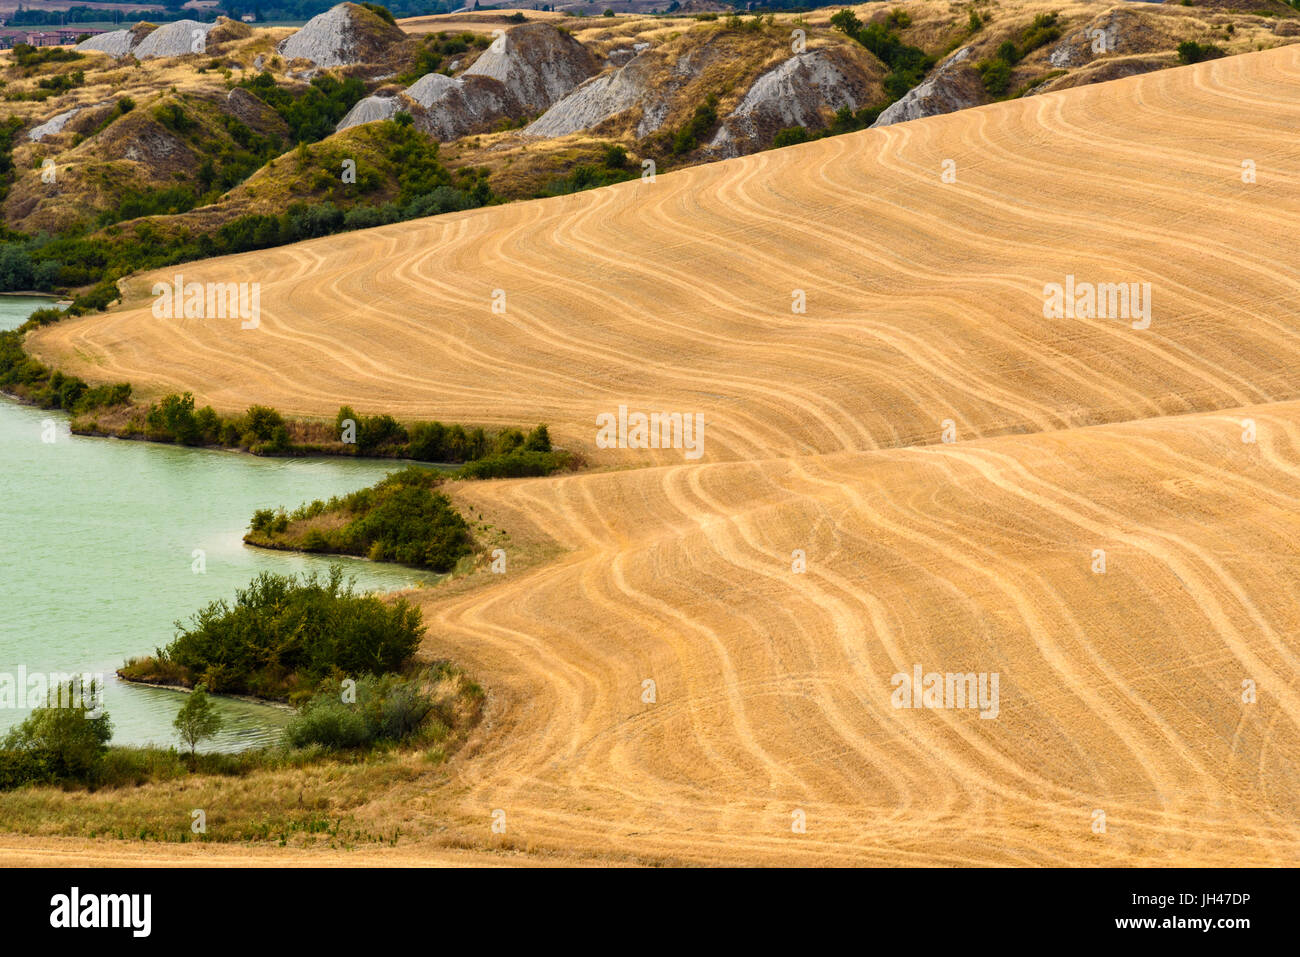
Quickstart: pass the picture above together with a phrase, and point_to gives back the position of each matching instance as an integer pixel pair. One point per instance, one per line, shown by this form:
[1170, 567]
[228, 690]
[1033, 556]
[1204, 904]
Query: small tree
[847, 22]
[198, 719]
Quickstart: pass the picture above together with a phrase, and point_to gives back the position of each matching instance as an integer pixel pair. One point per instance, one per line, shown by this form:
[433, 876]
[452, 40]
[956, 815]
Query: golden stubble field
[1121, 691]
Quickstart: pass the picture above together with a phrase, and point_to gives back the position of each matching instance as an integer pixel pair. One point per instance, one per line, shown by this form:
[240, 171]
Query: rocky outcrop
[595, 101]
[954, 85]
[175, 39]
[344, 35]
[117, 43]
[371, 109]
[522, 72]
[536, 63]
[52, 126]
[803, 91]
[448, 107]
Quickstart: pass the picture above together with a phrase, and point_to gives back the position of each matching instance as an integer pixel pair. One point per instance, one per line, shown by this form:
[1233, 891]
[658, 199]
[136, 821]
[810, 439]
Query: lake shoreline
[281, 703]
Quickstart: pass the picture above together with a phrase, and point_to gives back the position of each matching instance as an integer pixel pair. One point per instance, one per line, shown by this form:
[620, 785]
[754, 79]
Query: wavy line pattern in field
[924, 297]
[1119, 691]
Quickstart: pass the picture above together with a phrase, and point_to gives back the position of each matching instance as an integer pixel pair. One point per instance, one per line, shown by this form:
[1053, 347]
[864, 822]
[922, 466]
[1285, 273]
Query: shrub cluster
[612, 168]
[30, 57]
[1189, 51]
[844, 121]
[403, 518]
[907, 64]
[283, 635]
[382, 435]
[701, 123]
[313, 113]
[387, 709]
[434, 49]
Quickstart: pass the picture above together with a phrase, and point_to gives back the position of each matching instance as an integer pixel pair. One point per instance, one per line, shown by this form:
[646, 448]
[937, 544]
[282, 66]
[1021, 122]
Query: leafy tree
[538, 440]
[198, 719]
[847, 22]
[69, 735]
[174, 416]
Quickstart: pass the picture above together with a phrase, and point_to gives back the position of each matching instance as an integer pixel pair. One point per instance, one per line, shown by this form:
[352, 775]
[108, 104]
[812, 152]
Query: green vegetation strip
[401, 519]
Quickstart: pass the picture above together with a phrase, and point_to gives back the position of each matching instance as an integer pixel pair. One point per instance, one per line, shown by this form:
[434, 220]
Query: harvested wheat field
[1173, 448]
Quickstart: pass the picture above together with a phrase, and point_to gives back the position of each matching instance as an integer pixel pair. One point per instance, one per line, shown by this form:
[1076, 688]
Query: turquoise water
[97, 545]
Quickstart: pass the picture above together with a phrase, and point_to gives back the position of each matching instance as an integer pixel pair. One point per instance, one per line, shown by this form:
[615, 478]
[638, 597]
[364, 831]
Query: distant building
[44, 38]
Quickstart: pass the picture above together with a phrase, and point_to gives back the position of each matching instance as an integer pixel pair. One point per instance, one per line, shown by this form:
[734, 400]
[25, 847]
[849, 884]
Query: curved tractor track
[1121, 691]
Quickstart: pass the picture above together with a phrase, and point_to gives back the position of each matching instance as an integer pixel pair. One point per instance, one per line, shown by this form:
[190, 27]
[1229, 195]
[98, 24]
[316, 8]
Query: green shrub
[261, 421]
[21, 768]
[996, 75]
[389, 709]
[519, 464]
[174, 118]
[1039, 33]
[381, 12]
[790, 136]
[1189, 51]
[96, 299]
[26, 55]
[615, 157]
[282, 633]
[697, 127]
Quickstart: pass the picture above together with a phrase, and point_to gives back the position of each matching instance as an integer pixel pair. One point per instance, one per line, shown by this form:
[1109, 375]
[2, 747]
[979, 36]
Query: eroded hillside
[200, 116]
